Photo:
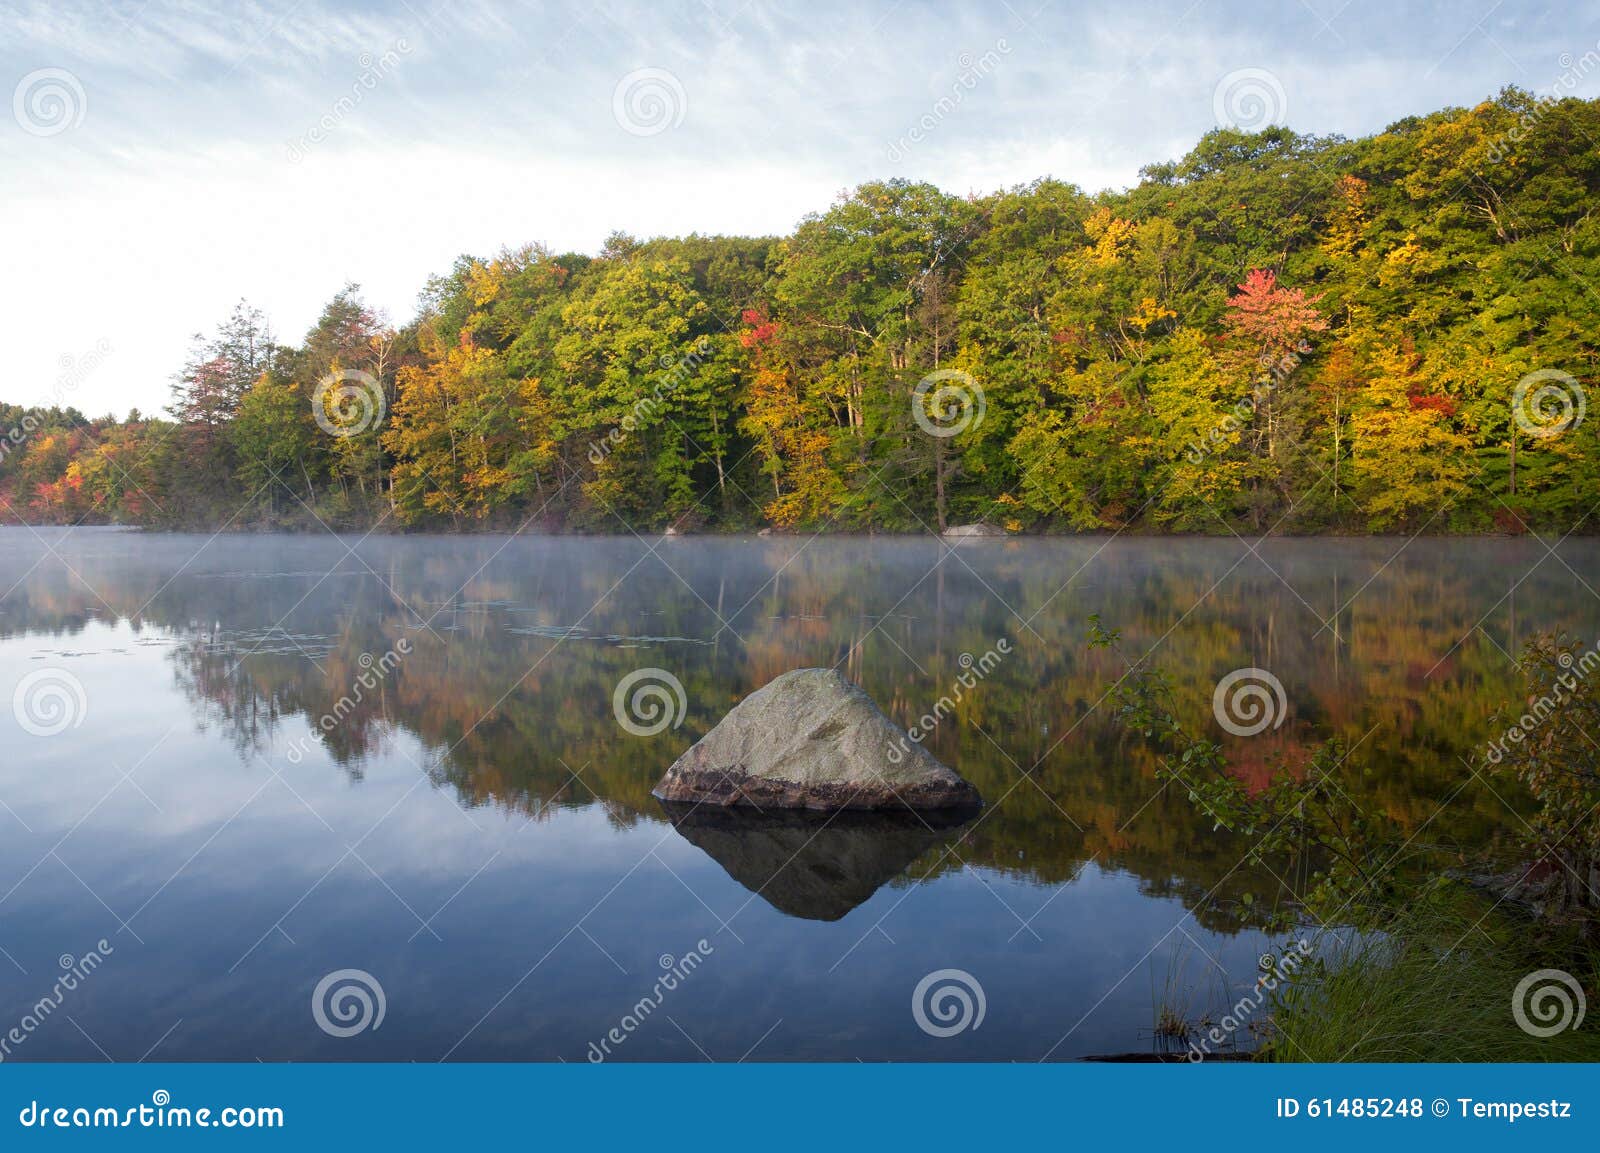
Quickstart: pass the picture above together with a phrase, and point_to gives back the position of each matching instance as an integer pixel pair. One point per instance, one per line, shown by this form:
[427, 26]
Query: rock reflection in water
[813, 865]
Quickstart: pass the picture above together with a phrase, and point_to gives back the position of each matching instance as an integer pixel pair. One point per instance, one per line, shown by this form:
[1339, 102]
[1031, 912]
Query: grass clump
[1438, 983]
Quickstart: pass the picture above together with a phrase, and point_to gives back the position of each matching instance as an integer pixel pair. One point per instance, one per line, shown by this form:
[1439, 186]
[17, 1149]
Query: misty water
[189, 775]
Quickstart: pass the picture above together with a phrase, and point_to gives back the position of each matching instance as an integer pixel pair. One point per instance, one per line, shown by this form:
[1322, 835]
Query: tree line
[1276, 332]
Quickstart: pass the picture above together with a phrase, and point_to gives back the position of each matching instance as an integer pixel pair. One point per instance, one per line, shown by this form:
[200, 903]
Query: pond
[318, 798]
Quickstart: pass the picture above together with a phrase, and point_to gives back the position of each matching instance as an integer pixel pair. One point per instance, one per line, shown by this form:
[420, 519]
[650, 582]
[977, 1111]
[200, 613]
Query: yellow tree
[1406, 454]
[439, 453]
[792, 443]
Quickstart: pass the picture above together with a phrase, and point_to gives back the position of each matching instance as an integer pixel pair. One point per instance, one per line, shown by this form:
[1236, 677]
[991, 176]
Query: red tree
[1268, 325]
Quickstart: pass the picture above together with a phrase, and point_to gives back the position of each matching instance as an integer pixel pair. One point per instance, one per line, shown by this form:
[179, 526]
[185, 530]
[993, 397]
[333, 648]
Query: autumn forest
[1276, 332]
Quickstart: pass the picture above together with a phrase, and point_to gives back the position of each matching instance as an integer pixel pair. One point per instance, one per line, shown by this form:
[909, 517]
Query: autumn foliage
[1274, 332]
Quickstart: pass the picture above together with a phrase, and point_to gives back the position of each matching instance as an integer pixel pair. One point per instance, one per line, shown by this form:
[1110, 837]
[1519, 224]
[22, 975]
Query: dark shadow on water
[813, 865]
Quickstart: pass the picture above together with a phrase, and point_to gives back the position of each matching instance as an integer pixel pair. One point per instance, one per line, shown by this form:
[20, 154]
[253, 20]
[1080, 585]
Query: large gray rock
[812, 740]
[967, 531]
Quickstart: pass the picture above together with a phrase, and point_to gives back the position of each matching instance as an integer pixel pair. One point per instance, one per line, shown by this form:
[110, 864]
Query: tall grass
[1435, 985]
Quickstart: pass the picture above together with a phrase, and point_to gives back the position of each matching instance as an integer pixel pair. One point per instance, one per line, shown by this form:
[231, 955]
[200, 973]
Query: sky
[163, 160]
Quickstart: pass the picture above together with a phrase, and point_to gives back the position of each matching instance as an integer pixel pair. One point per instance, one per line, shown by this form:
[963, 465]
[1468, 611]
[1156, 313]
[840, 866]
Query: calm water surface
[476, 830]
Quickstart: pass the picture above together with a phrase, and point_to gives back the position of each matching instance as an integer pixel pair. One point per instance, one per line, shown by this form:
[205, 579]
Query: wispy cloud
[179, 189]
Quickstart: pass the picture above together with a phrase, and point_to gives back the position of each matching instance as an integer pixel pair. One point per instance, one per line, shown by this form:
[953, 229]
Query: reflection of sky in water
[230, 878]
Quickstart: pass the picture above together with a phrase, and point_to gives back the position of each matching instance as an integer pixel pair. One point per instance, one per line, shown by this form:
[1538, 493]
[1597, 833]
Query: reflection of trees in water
[247, 688]
[1391, 671]
[227, 697]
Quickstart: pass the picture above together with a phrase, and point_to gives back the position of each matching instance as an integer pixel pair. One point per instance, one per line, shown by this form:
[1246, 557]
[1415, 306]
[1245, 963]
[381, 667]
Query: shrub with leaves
[1552, 745]
[1304, 814]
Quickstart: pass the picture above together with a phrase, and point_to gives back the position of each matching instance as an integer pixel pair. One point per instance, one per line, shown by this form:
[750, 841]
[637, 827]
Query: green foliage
[1549, 746]
[1275, 331]
[272, 436]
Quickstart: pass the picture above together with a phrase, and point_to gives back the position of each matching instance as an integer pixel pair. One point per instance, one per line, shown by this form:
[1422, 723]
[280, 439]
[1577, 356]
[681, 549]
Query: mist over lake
[246, 764]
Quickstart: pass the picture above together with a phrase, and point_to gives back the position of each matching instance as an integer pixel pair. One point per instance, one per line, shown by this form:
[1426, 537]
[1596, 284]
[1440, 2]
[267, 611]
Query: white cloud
[175, 195]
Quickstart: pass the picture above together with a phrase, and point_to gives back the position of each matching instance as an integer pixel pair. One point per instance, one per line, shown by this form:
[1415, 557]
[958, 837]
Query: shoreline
[659, 535]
